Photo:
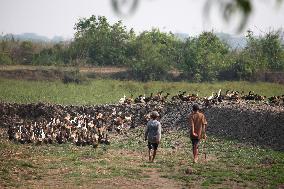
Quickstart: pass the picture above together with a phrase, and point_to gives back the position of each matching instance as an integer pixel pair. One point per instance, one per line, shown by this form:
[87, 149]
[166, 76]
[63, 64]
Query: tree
[5, 52]
[54, 55]
[204, 57]
[25, 53]
[5, 59]
[166, 42]
[101, 43]
[272, 51]
[262, 54]
[149, 55]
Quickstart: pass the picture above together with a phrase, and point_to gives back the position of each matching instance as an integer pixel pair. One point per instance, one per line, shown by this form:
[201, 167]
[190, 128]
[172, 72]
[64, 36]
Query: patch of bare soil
[157, 181]
[152, 178]
[105, 69]
[235, 185]
[154, 181]
[51, 73]
[108, 70]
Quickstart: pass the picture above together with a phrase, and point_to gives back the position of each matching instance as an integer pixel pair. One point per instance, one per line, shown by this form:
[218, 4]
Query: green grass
[229, 163]
[110, 91]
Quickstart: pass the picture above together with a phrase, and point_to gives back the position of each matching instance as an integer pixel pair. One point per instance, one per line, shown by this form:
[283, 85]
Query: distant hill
[181, 36]
[234, 42]
[34, 37]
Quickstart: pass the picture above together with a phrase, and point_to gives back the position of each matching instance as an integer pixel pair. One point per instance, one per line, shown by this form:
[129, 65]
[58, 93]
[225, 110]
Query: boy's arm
[191, 125]
[159, 133]
[146, 132]
[204, 136]
[204, 127]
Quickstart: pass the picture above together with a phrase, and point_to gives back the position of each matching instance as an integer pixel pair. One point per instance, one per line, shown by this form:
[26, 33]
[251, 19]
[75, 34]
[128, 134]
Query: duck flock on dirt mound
[91, 125]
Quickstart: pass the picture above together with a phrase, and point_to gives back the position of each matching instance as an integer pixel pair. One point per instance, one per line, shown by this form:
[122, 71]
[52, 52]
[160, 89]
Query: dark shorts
[195, 142]
[153, 146]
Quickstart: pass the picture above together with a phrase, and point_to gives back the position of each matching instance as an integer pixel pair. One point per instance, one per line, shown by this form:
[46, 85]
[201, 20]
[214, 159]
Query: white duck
[122, 100]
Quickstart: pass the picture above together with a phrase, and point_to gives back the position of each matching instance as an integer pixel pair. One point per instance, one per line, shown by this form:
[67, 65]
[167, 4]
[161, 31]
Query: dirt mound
[260, 124]
[49, 75]
[52, 73]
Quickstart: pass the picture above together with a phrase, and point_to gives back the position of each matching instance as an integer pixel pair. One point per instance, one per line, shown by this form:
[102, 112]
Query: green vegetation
[110, 91]
[152, 54]
[229, 163]
[205, 57]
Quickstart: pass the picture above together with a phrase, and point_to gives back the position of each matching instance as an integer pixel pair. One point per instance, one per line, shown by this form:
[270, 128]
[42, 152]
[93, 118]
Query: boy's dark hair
[154, 114]
[195, 107]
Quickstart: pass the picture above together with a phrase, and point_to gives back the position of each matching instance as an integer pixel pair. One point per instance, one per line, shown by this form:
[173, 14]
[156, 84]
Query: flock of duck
[81, 130]
[215, 97]
[93, 128]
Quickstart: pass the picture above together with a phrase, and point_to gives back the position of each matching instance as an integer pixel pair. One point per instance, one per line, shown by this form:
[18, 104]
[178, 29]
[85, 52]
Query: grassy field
[109, 91]
[123, 164]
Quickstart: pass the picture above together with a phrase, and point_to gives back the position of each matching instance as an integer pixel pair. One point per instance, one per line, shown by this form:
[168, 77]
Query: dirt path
[157, 181]
[154, 180]
[96, 69]
[152, 177]
[121, 166]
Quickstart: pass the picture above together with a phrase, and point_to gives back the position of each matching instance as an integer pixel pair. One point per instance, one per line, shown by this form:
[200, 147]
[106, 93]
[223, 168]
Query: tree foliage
[100, 42]
[263, 53]
[151, 55]
[204, 57]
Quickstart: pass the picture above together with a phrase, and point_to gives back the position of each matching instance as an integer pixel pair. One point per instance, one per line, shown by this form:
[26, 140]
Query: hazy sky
[57, 17]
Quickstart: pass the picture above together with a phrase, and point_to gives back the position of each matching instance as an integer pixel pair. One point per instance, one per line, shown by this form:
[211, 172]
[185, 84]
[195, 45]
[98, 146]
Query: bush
[204, 57]
[5, 59]
[148, 62]
[73, 77]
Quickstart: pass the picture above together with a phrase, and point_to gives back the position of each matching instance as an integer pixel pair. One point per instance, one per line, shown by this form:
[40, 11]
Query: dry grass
[124, 164]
